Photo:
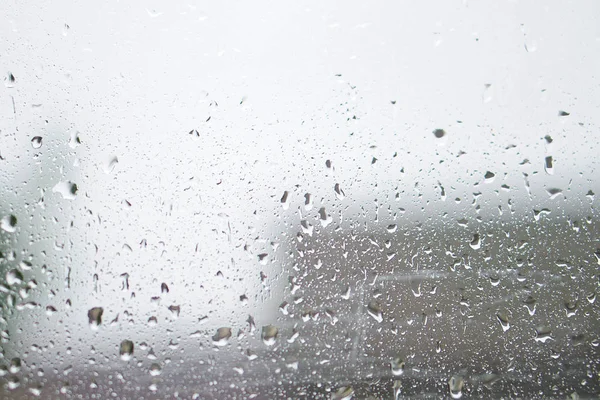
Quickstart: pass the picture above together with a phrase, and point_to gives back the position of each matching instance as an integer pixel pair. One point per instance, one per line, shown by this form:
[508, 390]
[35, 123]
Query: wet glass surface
[309, 200]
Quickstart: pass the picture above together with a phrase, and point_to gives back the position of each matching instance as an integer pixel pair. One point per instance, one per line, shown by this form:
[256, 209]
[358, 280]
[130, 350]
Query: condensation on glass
[318, 200]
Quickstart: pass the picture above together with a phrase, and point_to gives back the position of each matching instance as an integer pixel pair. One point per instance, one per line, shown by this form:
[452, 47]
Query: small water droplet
[221, 337]
[164, 288]
[455, 385]
[126, 350]
[489, 177]
[562, 113]
[36, 142]
[269, 335]
[9, 223]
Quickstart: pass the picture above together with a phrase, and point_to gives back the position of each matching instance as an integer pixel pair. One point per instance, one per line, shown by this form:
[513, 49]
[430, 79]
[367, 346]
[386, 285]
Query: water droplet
[392, 228]
[503, 319]
[9, 223]
[562, 113]
[126, 350]
[285, 200]
[95, 317]
[476, 242]
[36, 142]
[571, 308]
[36, 391]
[13, 383]
[74, 141]
[488, 93]
[324, 218]
[494, 280]
[439, 133]
[554, 192]
[455, 384]
[14, 277]
[15, 365]
[489, 177]
[9, 81]
[343, 393]
[164, 288]
[175, 311]
[543, 334]
[155, 369]
[397, 366]
[374, 310]
[530, 305]
[549, 165]
[67, 189]
[269, 335]
[591, 298]
[111, 164]
[221, 337]
[339, 193]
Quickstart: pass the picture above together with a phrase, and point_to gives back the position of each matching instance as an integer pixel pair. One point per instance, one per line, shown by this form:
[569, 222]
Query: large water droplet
[455, 384]
[374, 310]
[439, 133]
[397, 366]
[95, 317]
[14, 277]
[548, 165]
[503, 319]
[343, 393]
[36, 142]
[530, 305]
[269, 335]
[111, 164]
[126, 350]
[9, 223]
[543, 334]
[221, 337]
[15, 365]
[155, 369]
[67, 189]
[476, 242]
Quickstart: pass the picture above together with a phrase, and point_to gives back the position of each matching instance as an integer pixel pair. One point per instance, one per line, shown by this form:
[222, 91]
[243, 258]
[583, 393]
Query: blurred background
[299, 200]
